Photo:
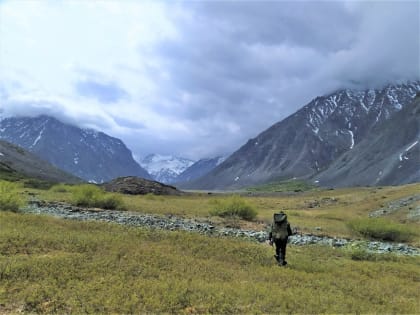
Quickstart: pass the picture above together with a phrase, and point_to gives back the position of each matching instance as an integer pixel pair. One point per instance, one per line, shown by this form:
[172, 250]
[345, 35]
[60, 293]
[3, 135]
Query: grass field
[324, 212]
[50, 265]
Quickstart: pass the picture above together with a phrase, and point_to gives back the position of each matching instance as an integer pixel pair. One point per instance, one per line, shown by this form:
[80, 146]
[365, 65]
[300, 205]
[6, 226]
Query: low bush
[10, 200]
[92, 196]
[233, 206]
[37, 184]
[382, 229]
[61, 188]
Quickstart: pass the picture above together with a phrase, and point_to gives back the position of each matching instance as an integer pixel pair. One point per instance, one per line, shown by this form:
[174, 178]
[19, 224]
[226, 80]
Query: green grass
[233, 206]
[382, 229]
[94, 197]
[50, 265]
[283, 186]
[10, 199]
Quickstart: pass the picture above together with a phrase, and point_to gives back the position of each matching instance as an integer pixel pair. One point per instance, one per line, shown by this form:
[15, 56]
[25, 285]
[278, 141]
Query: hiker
[279, 233]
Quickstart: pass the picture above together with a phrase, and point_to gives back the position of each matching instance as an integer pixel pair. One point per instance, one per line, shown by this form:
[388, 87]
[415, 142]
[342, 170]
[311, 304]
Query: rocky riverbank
[173, 223]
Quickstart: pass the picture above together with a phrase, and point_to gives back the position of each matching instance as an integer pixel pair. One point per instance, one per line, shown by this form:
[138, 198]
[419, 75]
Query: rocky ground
[172, 223]
[411, 203]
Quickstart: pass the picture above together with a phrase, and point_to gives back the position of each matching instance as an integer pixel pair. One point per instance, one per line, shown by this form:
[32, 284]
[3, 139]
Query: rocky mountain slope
[88, 154]
[388, 155]
[165, 168]
[309, 141]
[17, 162]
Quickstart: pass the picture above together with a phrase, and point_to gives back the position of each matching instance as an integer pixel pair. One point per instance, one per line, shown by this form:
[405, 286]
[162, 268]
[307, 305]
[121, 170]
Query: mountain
[16, 162]
[165, 168]
[389, 155]
[199, 168]
[85, 153]
[308, 141]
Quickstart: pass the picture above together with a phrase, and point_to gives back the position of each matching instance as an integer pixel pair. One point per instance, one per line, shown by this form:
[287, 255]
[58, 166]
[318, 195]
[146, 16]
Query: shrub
[381, 229]
[111, 201]
[61, 188]
[233, 206]
[92, 196]
[10, 200]
[37, 184]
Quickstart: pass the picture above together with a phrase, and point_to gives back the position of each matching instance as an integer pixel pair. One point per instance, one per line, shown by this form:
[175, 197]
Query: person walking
[278, 235]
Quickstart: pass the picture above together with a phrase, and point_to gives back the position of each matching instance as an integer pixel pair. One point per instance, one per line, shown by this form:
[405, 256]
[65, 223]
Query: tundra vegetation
[50, 265]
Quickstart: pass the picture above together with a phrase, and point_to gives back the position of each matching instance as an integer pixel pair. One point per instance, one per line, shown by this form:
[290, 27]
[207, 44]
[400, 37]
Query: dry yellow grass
[329, 210]
[52, 265]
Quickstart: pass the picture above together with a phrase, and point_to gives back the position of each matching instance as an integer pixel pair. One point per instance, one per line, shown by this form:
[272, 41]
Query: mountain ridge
[308, 141]
[86, 153]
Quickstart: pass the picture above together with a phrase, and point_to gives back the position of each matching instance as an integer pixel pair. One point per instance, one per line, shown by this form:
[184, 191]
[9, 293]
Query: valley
[159, 157]
[50, 265]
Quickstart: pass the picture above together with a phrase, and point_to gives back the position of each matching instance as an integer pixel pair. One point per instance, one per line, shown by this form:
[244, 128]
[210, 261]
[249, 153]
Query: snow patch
[393, 99]
[236, 178]
[402, 154]
[220, 160]
[1, 154]
[37, 139]
[352, 139]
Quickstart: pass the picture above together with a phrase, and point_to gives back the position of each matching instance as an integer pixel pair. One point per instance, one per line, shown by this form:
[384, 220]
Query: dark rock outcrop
[139, 186]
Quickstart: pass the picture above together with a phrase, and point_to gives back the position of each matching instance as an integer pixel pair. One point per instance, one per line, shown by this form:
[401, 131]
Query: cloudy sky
[195, 78]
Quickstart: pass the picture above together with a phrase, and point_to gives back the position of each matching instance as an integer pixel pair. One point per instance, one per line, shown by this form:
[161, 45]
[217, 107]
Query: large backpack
[279, 227]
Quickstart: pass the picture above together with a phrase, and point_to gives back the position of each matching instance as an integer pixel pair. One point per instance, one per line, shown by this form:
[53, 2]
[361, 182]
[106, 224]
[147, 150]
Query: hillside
[389, 155]
[309, 141]
[86, 153]
[16, 162]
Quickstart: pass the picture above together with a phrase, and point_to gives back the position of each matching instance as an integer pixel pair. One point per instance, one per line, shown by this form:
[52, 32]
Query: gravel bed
[173, 223]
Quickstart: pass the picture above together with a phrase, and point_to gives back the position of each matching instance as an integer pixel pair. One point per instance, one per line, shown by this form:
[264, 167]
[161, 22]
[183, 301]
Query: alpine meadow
[209, 157]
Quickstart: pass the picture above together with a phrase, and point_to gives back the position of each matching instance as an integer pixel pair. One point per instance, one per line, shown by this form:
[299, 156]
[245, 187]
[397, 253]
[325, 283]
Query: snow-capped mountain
[165, 168]
[308, 141]
[388, 155]
[199, 168]
[86, 153]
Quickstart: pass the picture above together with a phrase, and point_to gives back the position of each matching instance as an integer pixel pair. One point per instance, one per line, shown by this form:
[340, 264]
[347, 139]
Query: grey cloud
[32, 108]
[129, 123]
[104, 92]
[251, 63]
[237, 67]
